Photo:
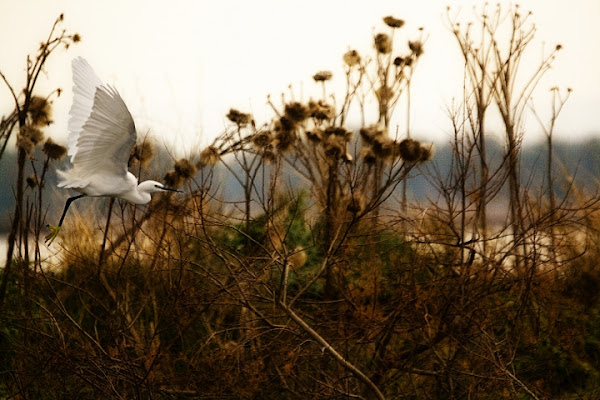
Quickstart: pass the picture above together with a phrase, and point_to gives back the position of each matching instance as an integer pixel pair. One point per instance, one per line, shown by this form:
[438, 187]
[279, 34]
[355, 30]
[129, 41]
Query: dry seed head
[369, 133]
[76, 38]
[268, 153]
[238, 117]
[285, 124]
[322, 76]
[383, 44]
[338, 131]
[314, 135]
[393, 22]
[173, 179]
[410, 150]
[25, 143]
[285, 140]
[384, 93]
[261, 139]
[40, 111]
[209, 156]
[383, 147]
[335, 146]
[320, 110]
[416, 47]
[185, 168]
[352, 58]
[54, 151]
[398, 61]
[427, 153]
[296, 111]
[32, 133]
[368, 155]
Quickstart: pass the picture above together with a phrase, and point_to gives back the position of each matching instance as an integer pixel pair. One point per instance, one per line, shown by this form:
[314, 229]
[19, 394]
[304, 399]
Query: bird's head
[154, 186]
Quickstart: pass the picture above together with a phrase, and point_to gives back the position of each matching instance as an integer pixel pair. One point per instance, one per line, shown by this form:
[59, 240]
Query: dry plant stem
[326, 346]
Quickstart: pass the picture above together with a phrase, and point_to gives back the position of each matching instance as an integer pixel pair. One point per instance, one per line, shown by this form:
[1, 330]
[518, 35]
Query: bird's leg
[55, 229]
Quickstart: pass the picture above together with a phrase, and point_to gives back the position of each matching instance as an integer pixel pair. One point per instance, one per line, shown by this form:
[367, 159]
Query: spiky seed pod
[76, 38]
[368, 155]
[356, 203]
[398, 61]
[322, 76]
[410, 150]
[314, 135]
[32, 181]
[34, 134]
[261, 139]
[40, 111]
[239, 118]
[25, 143]
[285, 124]
[209, 156]
[335, 146]
[352, 58]
[427, 153]
[383, 44]
[285, 140]
[173, 179]
[393, 22]
[54, 151]
[185, 168]
[383, 147]
[338, 131]
[416, 47]
[369, 133]
[296, 111]
[320, 110]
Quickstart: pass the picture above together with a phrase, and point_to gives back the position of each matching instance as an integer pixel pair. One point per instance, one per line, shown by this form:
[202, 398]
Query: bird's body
[102, 134]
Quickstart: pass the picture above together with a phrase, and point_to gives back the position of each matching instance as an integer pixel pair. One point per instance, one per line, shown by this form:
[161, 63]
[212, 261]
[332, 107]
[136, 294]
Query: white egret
[101, 136]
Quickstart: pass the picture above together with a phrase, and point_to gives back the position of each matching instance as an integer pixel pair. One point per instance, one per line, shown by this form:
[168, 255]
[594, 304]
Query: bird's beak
[170, 189]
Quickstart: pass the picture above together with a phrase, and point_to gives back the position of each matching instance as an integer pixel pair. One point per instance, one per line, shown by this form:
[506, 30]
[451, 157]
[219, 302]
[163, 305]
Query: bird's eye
[158, 186]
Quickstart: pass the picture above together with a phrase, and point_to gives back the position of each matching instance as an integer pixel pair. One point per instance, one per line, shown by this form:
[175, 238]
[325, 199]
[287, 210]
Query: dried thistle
[40, 111]
[296, 112]
[427, 153]
[285, 140]
[209, 156]
[369, 133]
[185, 168]
[321, 110]
[416, 47]
[54, 151]
[261, 139]
[393, 22]
[368, 155]
[239, 118]
[383, 44]
[25, 143]
[173, 179]
[410, 150]
[322, 76]
[352, 58]
[143, 153]
[384, 93]
[338, 131]
[335, 146]
[398, 61]
[315, 135]
[383, 147]
[32, 133]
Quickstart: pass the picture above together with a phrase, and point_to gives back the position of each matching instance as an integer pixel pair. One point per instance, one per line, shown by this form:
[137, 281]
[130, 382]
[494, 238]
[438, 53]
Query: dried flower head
[268, 153]
[25, 143]
[285, 124]
[384, 93]
[32, 133]
[261, 139]
[393, 22]
[314, 135]
[40, 111]
[369, 133]
[296, 111]
[383, 146]
[427, 153]
[209, 156]
[322, 76]
[338, 131]
[398, 61]
[410, 150]
[173, 179]
[239, 118]
[352, 58]
[76, 38]
[383, 44]
[284, 140]
[321, 110]
[558, 47]
[416, 47]
[335, 146]
[54, 151]
[185, 168]
[142, 153]
[368, 155]
[32, 181]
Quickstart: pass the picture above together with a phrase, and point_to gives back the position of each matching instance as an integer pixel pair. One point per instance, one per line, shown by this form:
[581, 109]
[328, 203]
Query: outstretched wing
[102, 131]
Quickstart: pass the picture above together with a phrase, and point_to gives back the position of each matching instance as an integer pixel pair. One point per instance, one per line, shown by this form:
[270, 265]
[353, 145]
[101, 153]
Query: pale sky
[180, 65]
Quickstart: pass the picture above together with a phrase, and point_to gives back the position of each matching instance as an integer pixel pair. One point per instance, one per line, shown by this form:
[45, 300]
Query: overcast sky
[180, 65]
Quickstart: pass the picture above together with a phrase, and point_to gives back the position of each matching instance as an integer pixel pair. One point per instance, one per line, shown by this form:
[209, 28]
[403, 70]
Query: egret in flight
[101, 136]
